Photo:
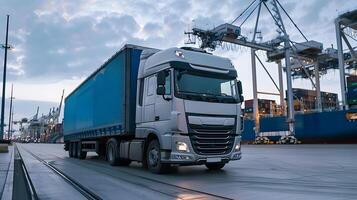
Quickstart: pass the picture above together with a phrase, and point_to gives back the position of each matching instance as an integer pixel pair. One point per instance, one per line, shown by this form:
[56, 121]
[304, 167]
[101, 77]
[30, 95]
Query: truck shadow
[182, 171]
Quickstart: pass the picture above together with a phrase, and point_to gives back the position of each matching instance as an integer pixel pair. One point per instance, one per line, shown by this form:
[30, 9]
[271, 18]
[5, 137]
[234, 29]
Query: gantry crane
[281, 47]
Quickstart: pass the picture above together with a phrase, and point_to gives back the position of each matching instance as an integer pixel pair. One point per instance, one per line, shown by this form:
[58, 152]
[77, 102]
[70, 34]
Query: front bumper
[191, 158]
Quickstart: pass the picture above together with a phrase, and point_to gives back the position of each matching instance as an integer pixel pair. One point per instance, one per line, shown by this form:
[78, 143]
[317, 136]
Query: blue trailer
[104, 104]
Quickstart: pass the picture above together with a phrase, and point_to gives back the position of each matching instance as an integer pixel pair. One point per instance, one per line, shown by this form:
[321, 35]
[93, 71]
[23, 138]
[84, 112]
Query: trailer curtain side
[104, 104]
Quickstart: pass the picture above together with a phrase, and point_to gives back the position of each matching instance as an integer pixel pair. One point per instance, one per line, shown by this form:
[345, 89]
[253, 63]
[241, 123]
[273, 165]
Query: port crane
[38, 126]
[299, 56]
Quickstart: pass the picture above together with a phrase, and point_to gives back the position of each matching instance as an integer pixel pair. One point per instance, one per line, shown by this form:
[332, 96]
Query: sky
[58, 43]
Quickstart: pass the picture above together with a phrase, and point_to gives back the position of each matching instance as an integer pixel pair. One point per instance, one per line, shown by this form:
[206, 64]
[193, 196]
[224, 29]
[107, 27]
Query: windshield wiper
[210, 97]
[228, 99]
[202, 96]
[198, 93]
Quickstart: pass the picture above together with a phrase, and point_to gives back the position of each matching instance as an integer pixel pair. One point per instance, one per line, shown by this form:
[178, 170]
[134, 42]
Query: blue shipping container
[319, 127]
[352, 93]
[104, 104]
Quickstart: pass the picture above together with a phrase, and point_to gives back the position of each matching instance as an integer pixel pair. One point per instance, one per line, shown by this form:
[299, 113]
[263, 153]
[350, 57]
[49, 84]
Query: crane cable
[243, 11]
[250, 14]
[294, 52]
[292, 20]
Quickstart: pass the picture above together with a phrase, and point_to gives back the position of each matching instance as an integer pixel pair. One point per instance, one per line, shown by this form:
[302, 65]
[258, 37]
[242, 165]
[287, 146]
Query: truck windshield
[194, 86]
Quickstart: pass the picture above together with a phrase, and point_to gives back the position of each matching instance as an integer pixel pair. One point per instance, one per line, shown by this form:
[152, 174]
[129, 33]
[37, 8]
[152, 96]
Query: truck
[163, 108]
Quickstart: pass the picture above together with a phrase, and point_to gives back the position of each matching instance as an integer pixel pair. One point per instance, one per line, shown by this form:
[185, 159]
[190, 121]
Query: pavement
[47, 184]
[265, 172]
[6, 173]
[4, 148]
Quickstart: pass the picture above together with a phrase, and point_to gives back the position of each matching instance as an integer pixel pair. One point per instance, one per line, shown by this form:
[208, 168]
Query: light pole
[12, 120]
[6, 47]
[10, 113]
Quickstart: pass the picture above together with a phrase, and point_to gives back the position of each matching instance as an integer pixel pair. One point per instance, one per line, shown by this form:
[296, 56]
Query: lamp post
[10, 113]
[6, 47]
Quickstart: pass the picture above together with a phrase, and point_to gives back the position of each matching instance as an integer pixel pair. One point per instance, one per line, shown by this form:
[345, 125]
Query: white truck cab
[189, 106]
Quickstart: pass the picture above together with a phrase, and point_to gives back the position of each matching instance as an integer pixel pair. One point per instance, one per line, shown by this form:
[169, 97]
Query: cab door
[163, 103]
[149, 99]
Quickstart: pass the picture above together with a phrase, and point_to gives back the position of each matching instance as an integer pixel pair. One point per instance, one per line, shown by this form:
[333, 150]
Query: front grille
[212, 139]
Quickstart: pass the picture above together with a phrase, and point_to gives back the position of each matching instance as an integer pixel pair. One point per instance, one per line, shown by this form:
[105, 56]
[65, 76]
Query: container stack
[352, 90]
[306, 100]
[266, 107]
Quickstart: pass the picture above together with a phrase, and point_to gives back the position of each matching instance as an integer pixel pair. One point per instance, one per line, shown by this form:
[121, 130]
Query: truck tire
[113, 154]
[215, 166]
[101, 150]
[74, 149]
[80, 154]
[70, 150]
[153, 158]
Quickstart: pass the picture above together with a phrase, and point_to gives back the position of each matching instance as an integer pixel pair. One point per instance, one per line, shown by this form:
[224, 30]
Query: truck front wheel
[214, 166]
[153, 158]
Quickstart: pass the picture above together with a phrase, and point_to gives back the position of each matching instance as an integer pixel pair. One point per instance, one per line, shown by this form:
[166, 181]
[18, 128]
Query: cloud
[58, 40]
[152, 29]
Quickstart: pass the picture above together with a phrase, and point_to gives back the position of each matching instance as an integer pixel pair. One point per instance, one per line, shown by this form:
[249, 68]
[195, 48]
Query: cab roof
[153, 61]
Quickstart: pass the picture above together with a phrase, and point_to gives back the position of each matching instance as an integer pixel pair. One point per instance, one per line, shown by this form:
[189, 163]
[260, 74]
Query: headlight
[237, 148]
[182, 147]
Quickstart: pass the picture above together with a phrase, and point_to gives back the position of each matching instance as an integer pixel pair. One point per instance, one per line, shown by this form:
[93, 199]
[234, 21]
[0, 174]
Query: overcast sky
[57, 43]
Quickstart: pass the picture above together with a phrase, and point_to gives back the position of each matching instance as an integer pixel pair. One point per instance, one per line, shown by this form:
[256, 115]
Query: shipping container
[352, 81]
[317, 127]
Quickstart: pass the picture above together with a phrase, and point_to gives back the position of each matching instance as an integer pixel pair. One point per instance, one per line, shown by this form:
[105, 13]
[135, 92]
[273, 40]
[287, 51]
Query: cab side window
[151, 86]
[168, 83]
[141, 92]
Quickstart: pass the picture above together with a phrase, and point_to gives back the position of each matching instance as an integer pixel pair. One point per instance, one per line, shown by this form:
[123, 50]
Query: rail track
[167, 189]
[22, 180]
[87, 193]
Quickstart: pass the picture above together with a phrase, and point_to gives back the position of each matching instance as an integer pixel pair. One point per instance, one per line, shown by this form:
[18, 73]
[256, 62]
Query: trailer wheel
[81, 154]
[74, 149]
[113, 154]
[70, 150]
[101, 150]
[153, 158]
[215, 166]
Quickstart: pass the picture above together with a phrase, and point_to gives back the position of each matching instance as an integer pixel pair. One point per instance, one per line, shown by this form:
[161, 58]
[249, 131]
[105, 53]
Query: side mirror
[240, 91]
[160, 90]
[161, 76]
[241, 98]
